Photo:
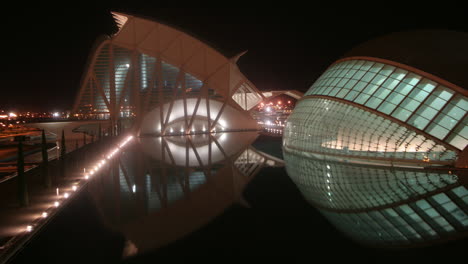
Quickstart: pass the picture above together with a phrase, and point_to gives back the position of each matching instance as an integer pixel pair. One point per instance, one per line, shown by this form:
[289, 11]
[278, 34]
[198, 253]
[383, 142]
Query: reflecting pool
[219, 195]
[161, 188]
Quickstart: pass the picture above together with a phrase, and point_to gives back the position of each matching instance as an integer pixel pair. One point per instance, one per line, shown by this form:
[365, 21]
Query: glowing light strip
[68, 192]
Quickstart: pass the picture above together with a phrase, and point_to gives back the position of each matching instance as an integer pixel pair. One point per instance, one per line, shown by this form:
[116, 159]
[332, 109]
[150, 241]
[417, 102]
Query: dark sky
[45, 49]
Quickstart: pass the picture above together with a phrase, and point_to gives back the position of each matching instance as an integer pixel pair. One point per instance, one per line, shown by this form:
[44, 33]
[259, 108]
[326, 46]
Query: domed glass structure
[379, 147]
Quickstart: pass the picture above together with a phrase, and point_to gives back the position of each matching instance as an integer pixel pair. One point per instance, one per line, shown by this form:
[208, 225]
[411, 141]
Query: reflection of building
[163, 188]
[380, 146]
[172, 82]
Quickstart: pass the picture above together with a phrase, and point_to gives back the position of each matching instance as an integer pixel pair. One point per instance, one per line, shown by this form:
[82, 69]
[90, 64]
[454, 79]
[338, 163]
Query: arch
[147, 64]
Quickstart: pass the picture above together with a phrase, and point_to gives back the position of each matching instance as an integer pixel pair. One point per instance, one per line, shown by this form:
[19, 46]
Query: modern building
[163, 81]
[379, 142]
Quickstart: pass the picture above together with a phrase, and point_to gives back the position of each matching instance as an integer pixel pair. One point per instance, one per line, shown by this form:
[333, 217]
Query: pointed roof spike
[120, 19]
[236, 58]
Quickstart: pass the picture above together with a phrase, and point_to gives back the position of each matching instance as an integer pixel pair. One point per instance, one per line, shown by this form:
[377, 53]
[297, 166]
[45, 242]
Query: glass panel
[368, 76]
[460, 191]
[376, 67]
[362, 98]
[386, 107]
[437, 131]
[412, 79]
[350, 84]
[418, 122]
[358, 75]
[373, 102]
[410, 104]
[351, 95]
[366, 66]
[395, 98]
[441, 198]
[426, 85]
[444, 93]
[418, 95]
[423, 204]
[401, 114]
[446, 121]
[390, 83]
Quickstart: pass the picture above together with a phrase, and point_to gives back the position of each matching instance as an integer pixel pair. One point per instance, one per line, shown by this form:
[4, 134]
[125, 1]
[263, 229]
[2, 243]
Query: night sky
[45, 49]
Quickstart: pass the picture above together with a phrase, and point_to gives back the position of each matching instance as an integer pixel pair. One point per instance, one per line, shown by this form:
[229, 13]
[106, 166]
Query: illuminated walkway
[19, 224]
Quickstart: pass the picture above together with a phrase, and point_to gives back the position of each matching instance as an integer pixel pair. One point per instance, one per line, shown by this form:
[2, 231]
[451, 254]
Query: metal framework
[376, 146]
[147, 66]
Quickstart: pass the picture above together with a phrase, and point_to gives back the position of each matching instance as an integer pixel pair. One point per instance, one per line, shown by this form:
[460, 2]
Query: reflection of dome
[377, 142]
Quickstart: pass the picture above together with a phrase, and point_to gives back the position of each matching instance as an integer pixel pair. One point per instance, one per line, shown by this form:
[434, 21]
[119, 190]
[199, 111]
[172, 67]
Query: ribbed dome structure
[379, 142]
[439, 52]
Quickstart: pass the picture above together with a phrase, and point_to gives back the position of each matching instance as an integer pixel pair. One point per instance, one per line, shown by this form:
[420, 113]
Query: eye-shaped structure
[163, 81]
[378, 142]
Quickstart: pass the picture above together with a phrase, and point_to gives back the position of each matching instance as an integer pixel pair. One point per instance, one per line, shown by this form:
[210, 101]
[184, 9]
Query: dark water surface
[232, 209]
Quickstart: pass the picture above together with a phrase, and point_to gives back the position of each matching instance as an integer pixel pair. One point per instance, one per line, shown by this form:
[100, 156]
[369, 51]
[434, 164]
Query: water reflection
[162, 188]
[386, 206]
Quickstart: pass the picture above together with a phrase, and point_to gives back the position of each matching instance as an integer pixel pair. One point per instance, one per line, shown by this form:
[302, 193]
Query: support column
[45, 162]
[63, 152]
[23, 196]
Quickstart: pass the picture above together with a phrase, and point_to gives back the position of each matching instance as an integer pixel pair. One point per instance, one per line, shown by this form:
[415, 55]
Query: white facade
[146, 65]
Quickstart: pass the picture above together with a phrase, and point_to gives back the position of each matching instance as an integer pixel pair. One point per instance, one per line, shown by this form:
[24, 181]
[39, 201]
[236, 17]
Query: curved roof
[439, 52]
[181, 50]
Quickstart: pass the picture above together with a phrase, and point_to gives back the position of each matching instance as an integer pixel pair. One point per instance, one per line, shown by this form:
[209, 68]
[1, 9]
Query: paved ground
[15, 219]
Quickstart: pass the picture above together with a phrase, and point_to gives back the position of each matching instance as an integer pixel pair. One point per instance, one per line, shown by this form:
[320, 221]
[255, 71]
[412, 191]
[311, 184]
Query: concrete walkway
[19, 224]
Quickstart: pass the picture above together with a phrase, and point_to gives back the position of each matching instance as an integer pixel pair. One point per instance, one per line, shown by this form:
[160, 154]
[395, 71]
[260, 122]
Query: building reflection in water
[385, 205]
[162, 188]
